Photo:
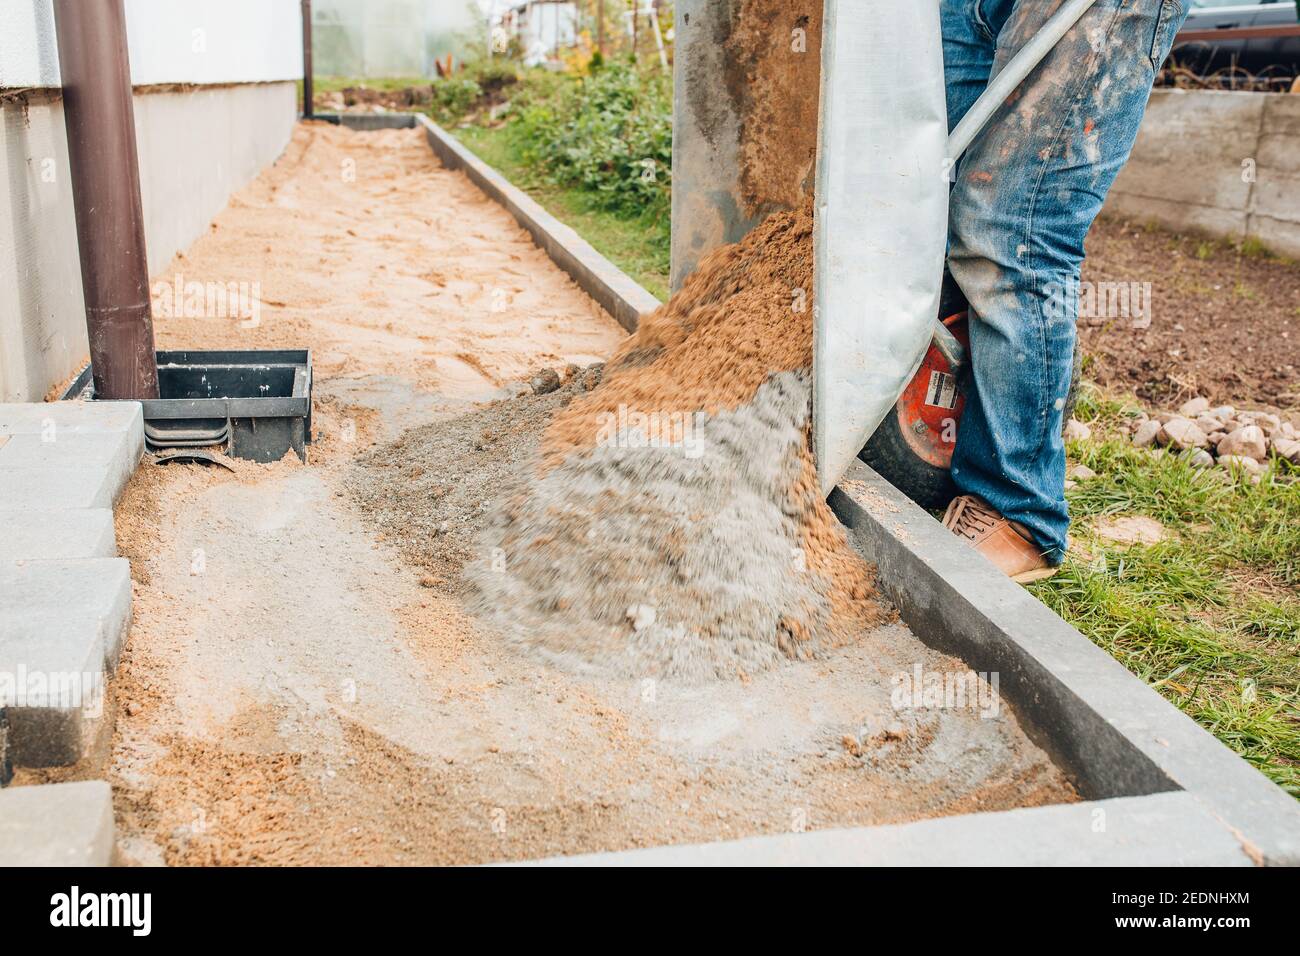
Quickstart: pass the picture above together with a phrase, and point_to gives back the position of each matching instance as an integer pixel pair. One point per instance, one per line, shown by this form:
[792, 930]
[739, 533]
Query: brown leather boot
[1008, 544]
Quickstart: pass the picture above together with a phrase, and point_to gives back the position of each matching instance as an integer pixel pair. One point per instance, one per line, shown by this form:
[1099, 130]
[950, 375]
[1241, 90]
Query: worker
[1025, 196]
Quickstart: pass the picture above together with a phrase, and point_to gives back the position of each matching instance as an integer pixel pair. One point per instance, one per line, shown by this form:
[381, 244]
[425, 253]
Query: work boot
[1008, 544]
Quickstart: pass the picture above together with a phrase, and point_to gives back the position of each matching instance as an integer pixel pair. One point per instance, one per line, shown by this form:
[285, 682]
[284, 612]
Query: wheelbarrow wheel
[893, 454]
[890, 454]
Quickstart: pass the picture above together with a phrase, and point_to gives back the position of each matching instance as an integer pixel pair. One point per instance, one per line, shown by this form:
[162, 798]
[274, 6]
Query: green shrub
[493, 75]
[609, 133]
[454, 97]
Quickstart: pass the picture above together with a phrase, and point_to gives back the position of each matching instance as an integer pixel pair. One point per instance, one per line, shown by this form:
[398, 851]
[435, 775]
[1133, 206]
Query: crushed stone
[429, 491]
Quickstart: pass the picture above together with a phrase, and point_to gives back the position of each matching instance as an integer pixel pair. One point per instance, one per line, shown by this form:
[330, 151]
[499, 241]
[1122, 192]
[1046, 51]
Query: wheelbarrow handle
[1013, 74]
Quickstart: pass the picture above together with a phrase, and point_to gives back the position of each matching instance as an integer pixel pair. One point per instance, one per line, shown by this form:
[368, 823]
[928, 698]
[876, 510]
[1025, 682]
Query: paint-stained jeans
[1026, 194]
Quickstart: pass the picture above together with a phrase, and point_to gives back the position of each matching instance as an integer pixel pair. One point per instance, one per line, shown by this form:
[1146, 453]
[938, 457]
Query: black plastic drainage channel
[256, 402]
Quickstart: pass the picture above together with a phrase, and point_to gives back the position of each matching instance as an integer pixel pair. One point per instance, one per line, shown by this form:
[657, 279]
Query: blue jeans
[1025, 196]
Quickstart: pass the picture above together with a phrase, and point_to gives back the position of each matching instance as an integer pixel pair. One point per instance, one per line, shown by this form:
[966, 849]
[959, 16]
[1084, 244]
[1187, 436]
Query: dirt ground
[294, 690]
[1223, 324]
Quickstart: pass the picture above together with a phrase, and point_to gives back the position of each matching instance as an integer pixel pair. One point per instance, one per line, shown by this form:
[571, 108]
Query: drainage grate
[257, 402]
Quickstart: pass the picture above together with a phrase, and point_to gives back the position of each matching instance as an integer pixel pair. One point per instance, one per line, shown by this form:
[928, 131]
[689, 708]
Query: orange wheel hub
[930, 409]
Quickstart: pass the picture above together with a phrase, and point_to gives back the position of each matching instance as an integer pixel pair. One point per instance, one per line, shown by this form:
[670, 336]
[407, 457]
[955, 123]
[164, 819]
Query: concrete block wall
[1226, 164]
[200, 146]
[215, 102]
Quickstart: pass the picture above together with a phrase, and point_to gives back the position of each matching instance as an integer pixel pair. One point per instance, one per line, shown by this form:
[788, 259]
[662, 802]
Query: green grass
[637, 245]
[1209, 616]
[1251, 247]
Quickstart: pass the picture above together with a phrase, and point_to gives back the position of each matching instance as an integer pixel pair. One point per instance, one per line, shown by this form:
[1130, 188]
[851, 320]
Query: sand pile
[670, 524]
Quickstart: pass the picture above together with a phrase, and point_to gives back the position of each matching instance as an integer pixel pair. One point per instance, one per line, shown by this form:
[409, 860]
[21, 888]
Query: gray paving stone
[61, 624]
[58, 535]
[61, 455]
[26, 418]
[111, 453]
[65, 598]
[55, 489]
[58, 824]
[93, 589]
[51, 685]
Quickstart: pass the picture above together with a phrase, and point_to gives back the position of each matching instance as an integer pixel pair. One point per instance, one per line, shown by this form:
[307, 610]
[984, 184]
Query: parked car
[1236, 37]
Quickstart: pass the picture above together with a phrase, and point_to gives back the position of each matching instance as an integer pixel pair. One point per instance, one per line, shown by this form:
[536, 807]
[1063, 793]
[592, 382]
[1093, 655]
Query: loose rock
[1130, 529]
[1240, 463]
[545, 381]
[1268, 422]
[1288, 449]
[1076, 430]
[1146, 433]
[1246, 442]
[1180, 433]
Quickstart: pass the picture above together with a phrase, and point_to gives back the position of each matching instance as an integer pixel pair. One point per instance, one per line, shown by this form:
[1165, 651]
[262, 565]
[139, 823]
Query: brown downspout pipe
[105, 174]
[308, 107]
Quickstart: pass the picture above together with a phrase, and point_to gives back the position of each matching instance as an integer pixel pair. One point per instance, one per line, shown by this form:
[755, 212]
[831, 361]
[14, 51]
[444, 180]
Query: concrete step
[54, 489]
[55, 418]
[65, 598]
[67, 455]
[58, 535]
[113, 454]
[62, 623]
[58, 824]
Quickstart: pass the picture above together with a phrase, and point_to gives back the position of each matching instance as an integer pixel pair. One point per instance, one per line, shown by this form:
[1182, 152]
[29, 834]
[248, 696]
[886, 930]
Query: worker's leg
[1026, 195]
[970, 32]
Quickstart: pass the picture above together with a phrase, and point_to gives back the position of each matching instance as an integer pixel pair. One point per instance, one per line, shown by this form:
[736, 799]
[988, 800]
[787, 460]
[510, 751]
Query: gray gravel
[430, 490]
